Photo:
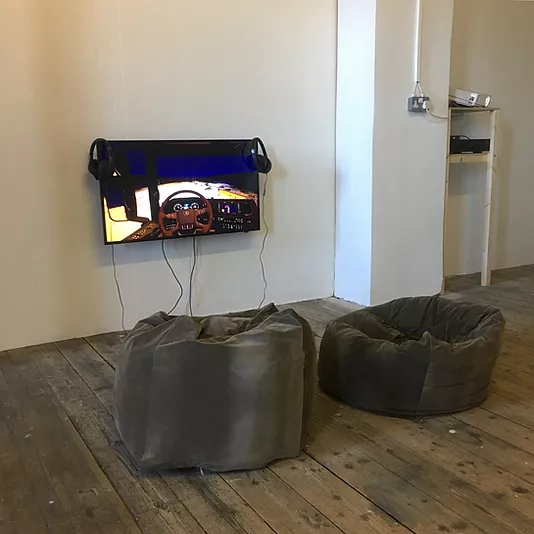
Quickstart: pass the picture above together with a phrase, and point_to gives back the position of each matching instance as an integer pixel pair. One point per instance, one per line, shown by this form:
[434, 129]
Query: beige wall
[391, 163]
[492, 52]
[74, 70]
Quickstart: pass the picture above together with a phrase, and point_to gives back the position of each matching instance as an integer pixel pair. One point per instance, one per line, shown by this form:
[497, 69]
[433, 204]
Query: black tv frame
[160, 148]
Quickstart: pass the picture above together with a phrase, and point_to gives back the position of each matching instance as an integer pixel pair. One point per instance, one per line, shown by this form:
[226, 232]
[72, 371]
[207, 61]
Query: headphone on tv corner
[261, 162]
[105, 168]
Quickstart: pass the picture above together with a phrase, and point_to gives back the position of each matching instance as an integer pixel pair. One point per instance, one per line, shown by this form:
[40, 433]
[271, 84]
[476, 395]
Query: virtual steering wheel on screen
[186, 217]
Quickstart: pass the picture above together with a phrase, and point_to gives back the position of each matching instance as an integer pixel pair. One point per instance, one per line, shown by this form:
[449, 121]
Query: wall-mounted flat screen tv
[175, 189]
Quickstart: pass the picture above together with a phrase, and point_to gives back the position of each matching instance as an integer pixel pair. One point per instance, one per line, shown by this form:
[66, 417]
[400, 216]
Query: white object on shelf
[469, 98]
[489, 160]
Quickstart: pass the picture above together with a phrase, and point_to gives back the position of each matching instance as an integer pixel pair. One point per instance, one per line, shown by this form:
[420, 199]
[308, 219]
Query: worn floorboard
[63, 467]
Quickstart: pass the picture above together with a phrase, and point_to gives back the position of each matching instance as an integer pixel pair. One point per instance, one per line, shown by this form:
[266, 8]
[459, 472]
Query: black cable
[175, 276]
[191, 276]
[264, 242]
[119, 293]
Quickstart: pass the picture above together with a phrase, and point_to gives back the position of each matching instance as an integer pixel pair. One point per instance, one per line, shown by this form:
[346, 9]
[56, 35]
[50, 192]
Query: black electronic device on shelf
[152, 190]
[461, 144]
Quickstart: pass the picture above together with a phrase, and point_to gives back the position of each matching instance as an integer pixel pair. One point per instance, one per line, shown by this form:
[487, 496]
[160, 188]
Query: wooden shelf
[469, 158]
[487, 159]
[456, 109]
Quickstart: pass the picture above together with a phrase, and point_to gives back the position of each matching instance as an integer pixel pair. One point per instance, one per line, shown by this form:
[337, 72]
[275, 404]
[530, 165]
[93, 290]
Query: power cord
[436, 116]
[428, 107]
[175, 276]
[264, 242]
[117, 285]
[417, 87]
[191, 276]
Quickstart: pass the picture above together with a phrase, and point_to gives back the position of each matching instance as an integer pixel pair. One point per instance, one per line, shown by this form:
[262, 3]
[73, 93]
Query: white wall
[409, 151]
[493, 52]
[72, 71]
[392, 248]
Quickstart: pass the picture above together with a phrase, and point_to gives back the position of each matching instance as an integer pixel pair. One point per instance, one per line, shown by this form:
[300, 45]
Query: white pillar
[355, 122]
[391, 164]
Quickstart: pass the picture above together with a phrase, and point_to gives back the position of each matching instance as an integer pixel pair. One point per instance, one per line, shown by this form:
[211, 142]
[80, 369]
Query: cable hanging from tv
[159, 190]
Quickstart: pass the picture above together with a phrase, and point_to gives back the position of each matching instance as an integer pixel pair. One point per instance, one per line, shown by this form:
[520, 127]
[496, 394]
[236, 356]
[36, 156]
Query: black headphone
[104, 169]
[101, 169]
[261, 162]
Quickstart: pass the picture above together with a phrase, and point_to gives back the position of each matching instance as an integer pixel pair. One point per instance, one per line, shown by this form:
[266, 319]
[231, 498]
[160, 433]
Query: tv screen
[175, 189]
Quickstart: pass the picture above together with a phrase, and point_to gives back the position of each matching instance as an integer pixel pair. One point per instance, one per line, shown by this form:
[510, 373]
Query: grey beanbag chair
[412, 357]
[222, 393]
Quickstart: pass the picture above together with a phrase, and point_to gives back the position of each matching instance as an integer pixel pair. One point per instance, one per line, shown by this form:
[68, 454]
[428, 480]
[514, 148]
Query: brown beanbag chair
[412, 357]
[222, 393]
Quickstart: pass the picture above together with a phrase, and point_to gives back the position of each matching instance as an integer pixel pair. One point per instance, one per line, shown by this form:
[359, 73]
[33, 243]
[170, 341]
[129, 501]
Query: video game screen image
[174, 189]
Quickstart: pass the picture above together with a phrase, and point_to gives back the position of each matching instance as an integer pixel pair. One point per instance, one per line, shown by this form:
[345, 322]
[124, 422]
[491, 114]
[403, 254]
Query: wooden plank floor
[63, 468]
